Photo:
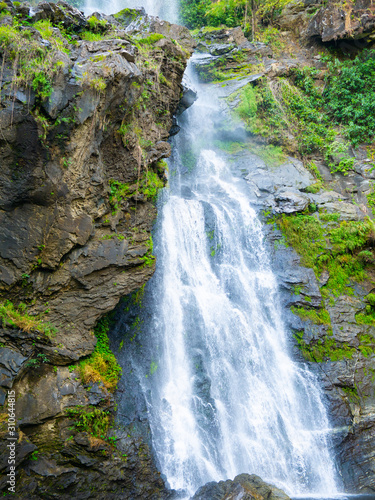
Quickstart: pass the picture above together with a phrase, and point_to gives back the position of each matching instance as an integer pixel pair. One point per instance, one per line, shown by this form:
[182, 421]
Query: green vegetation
[101, 365]
[94, 421]
[318, 317]
[149, 258]
[217, 71]
[17, 317]
[151, 39]
[349, 96]
[367, 316]
[34, 65]
[97, 25]
[36, 362]
[297, 107]
[230, 13]
[91, 37]
[330, 349]
[148, 185]
[322, 350]
[324, 243]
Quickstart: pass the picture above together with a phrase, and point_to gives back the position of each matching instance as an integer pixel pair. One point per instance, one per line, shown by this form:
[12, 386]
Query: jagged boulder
[349, 20]
[243, 486]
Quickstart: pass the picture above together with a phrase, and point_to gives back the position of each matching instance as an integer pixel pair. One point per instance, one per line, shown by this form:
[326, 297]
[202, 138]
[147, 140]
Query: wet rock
[288, 202]
[218, 49]
[189, 96]
[244, 486]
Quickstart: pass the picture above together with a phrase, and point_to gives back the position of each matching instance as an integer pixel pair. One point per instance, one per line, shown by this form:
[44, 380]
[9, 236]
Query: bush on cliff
[102, 365]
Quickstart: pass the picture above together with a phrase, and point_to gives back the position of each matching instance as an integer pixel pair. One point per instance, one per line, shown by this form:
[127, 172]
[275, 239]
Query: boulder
[243, 486]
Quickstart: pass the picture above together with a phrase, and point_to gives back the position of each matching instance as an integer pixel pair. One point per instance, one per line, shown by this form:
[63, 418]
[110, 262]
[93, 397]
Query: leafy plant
[94, 421]
[101, 365]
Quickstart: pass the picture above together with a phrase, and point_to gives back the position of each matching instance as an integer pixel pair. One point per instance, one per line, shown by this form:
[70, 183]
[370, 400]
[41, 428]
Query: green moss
[323, 350]
[314, 188]
[151, 39]
[17, 317]
[94, 421]
[326, 244]
[101, 365]
[317, 316]
[126, 14]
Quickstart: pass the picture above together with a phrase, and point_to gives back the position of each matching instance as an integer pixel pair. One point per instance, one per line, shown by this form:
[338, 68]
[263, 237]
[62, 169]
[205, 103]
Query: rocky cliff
[86, 109]
[87, 106]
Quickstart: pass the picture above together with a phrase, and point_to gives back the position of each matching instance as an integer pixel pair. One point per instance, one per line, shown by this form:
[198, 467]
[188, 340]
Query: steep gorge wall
[86, 109]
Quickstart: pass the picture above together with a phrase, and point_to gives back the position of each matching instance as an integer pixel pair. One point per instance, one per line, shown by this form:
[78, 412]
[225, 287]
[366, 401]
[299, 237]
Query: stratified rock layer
[78, 181]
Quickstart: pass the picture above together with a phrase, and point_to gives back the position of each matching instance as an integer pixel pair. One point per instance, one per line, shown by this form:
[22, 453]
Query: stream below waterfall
[212, 356]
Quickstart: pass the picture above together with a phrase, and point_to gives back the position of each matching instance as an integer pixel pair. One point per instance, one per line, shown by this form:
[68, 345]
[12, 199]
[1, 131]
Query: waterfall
[223, 394]
[165, 9]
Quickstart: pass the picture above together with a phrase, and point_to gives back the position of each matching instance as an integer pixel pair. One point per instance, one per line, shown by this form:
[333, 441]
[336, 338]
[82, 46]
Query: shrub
[94, 421]
[326, 244]
[349, 96]
[101, 365]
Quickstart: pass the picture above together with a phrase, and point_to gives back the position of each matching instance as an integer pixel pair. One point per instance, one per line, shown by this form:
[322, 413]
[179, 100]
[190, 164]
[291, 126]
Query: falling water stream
[223, 394]
[166, 9]
[213, 359]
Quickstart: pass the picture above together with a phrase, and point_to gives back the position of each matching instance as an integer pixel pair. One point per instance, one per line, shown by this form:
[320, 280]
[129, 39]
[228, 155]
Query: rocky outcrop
[346, 20]
[86, 110]
[227, 53]
[245, 486]
[60, 230]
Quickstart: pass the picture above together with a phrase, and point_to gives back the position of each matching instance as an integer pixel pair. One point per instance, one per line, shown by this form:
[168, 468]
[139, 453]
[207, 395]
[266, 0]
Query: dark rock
[61, 12]
[334, 22]
[10, 364]
[189, 96]
[218, 49]
[244, 486]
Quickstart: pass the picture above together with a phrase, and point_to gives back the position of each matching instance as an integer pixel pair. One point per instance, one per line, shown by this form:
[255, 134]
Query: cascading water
[166, 9]
[223, 394]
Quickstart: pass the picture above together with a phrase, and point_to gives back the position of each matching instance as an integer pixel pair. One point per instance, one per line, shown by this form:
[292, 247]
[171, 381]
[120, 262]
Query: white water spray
[165, 9]
[226, 397]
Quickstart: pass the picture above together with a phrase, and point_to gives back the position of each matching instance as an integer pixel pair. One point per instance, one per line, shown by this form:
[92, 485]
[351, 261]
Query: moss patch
[323, 350]
[325, 244]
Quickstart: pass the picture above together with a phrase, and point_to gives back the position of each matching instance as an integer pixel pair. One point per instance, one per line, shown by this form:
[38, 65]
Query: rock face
[81, 161]
[243, 486]
[349, 20]
[60, 230]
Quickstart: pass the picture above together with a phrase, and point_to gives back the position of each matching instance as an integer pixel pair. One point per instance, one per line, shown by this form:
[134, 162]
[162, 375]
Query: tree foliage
[231, 13]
